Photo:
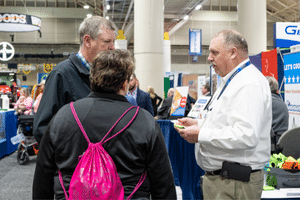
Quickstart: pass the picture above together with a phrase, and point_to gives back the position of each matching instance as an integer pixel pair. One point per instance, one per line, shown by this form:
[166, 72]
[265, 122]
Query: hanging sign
[12, 22]
[7, 51]
[48, 67]
[195, 41]
[26, 68]
[286, 34]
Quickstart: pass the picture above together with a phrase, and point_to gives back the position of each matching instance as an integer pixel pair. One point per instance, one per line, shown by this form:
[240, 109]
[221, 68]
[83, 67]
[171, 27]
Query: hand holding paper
[190, 133]
[187, 121]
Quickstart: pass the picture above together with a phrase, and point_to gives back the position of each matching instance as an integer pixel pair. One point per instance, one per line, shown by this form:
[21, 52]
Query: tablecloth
[182, 156]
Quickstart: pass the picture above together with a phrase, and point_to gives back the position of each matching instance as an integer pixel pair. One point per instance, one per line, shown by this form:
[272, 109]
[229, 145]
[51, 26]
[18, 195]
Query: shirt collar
[225, 78]
[83, 60]
[133, 94]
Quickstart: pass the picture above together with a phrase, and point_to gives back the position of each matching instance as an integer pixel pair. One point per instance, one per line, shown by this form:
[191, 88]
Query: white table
[282, 193]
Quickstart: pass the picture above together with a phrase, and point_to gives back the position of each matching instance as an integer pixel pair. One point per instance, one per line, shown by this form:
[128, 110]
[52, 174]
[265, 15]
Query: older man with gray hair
[233, 141]
[69, 80]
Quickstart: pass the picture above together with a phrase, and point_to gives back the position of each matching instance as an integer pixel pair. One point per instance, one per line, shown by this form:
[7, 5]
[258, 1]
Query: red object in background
[183, 102]
[269, 63]
[5, 89]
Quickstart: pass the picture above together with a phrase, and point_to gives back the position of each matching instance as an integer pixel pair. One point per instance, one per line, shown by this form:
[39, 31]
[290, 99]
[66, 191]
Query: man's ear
[87, 40]
[233, 52]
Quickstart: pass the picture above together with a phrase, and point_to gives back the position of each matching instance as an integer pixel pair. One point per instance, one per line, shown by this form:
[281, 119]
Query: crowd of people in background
[82, 79]
[27, 102]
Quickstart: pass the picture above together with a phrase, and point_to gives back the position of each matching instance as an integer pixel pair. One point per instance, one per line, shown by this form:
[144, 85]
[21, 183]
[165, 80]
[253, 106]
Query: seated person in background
[155, 99]
[39, 97]
[137, 149]
[24, 103]
[164, 111]
[280, 113]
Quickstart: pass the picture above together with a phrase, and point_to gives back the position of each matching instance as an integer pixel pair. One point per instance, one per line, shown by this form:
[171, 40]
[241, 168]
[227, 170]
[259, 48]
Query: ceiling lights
[198, 7]
[186, 17]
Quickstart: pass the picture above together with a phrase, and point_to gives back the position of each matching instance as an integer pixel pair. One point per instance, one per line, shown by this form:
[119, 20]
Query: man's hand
[190, 133]
[187, 121]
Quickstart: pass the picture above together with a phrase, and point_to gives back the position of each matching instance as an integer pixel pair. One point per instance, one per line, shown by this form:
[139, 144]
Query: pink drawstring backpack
[96, 176]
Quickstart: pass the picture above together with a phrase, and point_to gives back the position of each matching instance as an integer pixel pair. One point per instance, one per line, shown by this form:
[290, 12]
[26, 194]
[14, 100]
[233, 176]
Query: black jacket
[280, 113]
[155, 105]
[68, 81]
[140, 147]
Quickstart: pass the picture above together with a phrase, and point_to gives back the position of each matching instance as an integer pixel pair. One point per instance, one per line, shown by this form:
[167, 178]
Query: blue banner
[292, 68]
[195, 42]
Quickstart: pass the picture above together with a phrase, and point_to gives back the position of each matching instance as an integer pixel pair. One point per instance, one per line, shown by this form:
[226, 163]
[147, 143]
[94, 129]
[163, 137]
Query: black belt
[218, 172]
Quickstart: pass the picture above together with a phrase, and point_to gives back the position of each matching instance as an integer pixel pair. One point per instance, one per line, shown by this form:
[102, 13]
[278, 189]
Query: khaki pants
[217, 187]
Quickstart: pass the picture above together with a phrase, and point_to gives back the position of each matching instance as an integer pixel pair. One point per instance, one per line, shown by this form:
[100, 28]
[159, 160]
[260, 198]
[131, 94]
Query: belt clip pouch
[236, 171]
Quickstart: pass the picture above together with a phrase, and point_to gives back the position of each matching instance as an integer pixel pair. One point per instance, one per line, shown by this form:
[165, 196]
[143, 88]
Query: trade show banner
[269, 63]
[197, 111]
[41, 76]
[179, 101]
[286, 34]
[191, 80]
[292, 87]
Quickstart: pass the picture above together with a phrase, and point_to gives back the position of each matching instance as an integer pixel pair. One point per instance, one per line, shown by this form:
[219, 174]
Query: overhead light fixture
[198, 7]
[186, 17]
[86, 6]
[89, 15]
[107, 7]
[107, 17]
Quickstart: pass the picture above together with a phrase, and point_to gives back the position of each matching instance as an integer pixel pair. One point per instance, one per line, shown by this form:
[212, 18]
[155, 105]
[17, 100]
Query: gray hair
[171, 92]
[234, 38]
[92, 26]
[273, 83]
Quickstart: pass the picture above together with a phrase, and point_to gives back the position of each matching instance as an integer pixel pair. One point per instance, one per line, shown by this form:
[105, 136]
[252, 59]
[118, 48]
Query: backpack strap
[62, 184]
[137, 110]
[138, 185]
[84, 133]
[79, 123]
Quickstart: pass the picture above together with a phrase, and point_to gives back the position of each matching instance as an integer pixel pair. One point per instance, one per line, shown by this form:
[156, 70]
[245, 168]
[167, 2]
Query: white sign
[201, 82]
[197, 110]
[7, 51]
[287, 34]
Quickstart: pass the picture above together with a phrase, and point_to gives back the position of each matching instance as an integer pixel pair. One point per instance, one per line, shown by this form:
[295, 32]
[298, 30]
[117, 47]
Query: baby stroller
[28, 146]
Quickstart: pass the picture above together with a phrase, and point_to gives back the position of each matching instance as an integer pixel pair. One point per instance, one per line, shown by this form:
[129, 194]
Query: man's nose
[111, 47]
[209, 58]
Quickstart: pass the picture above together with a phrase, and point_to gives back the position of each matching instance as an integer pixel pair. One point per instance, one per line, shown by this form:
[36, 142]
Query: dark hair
[110, 70]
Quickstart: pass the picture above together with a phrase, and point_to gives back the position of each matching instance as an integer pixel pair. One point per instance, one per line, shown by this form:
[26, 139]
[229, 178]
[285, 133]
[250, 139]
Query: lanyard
[232, 76]
[227, 83]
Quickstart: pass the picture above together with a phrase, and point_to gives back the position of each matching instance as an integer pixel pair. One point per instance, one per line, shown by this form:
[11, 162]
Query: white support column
[167, 56]
[252, 24]
[148, 43]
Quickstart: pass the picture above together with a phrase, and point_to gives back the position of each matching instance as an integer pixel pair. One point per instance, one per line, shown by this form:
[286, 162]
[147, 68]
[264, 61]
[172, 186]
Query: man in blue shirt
[135, 96]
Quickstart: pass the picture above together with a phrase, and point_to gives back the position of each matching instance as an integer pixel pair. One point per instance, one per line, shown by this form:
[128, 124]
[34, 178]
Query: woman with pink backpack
[102, 147]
